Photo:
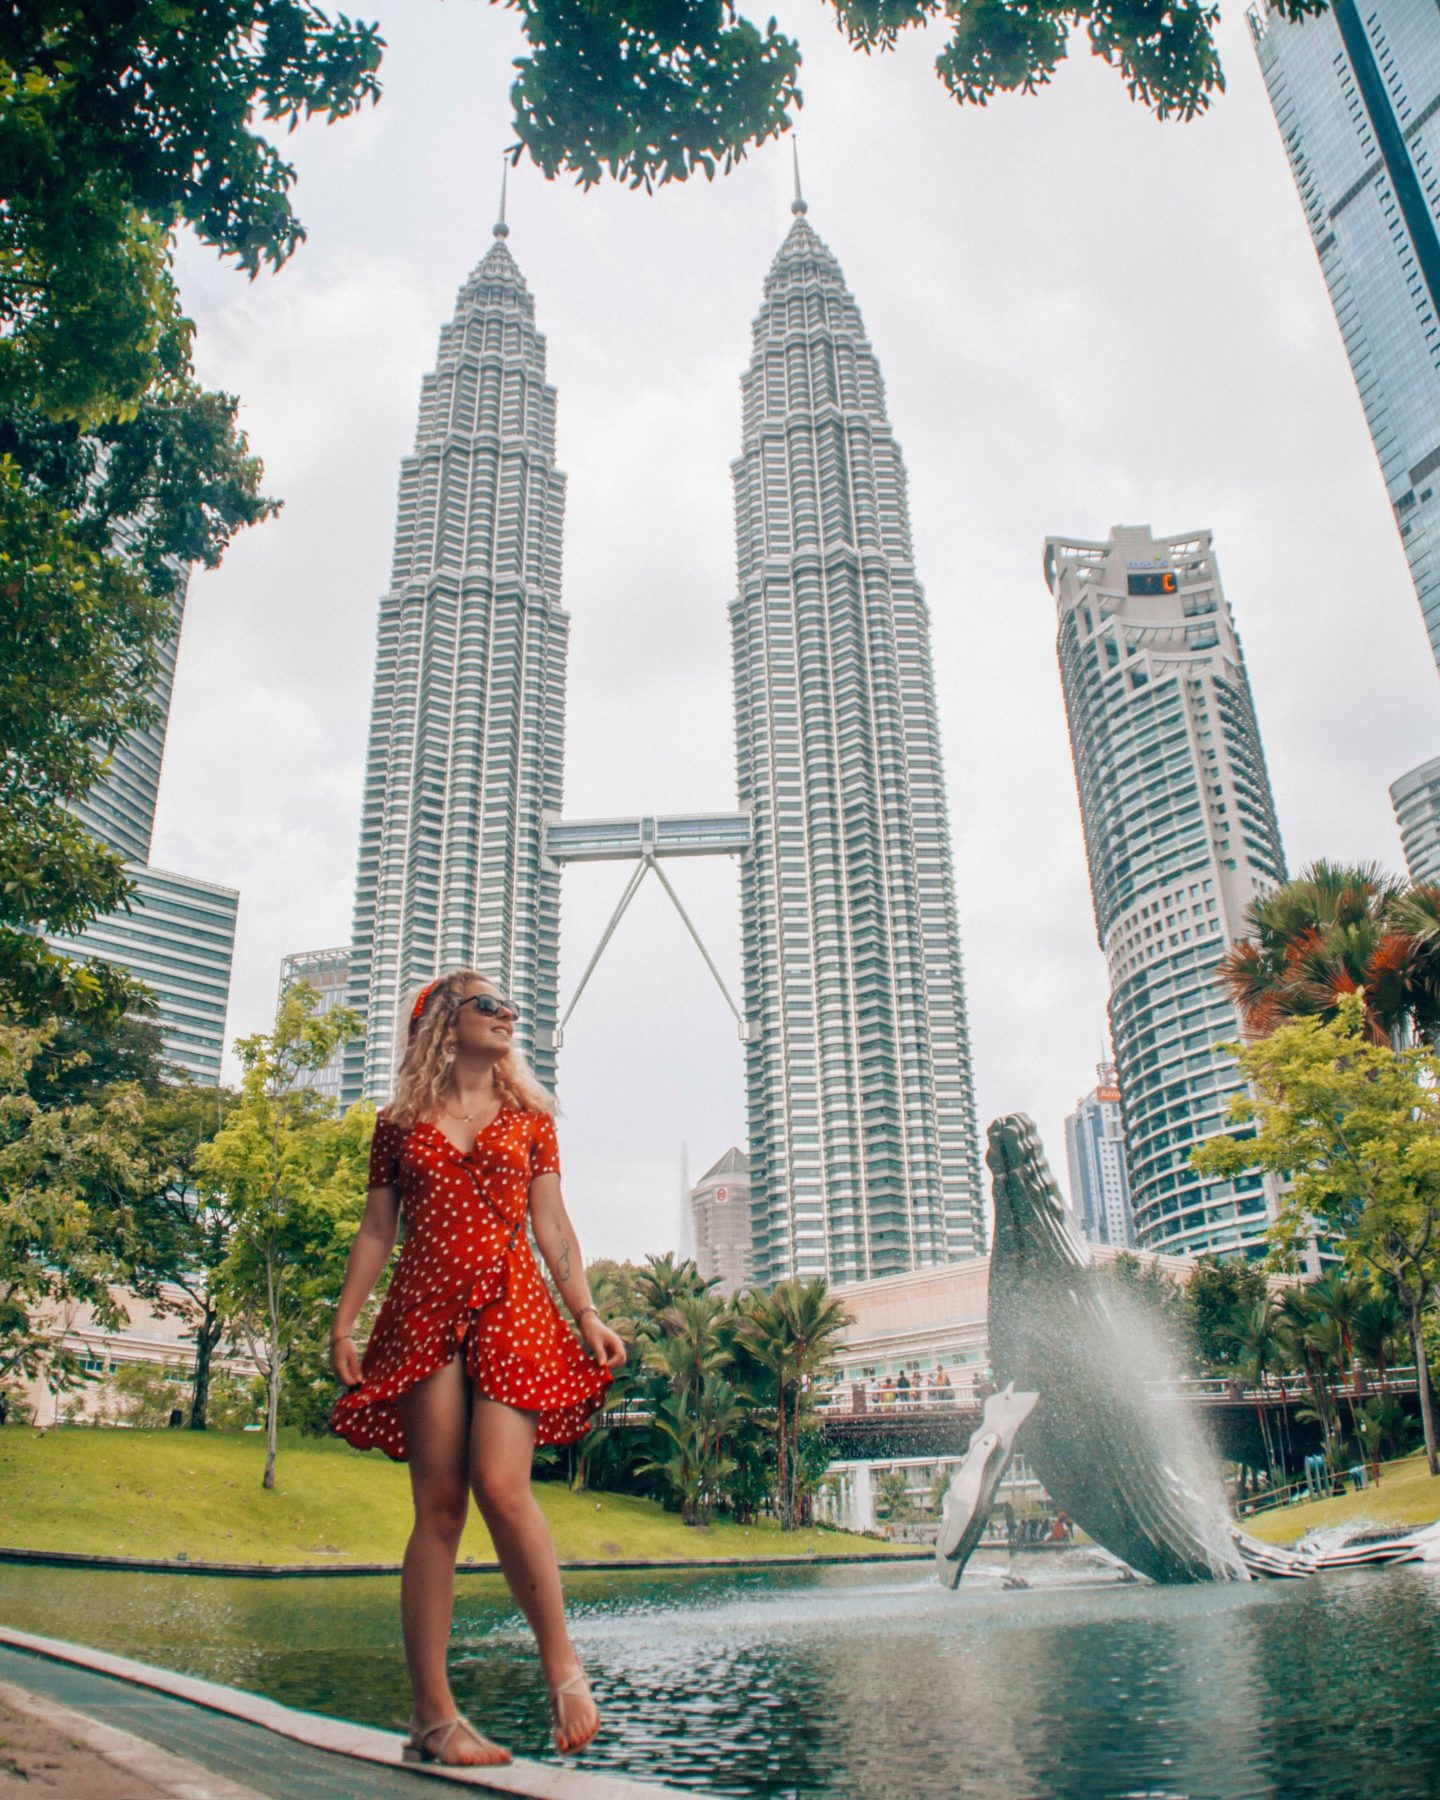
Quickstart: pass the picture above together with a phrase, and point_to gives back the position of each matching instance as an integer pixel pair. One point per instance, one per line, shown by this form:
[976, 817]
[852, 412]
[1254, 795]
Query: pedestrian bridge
[865, 1419]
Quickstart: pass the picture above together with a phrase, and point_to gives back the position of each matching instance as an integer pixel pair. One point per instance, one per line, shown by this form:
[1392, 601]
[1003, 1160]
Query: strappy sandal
[558, 1696]
[418, 1749]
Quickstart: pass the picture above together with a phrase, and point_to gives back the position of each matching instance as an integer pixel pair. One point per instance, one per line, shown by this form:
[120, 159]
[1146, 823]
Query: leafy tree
[145, 1394]
[292, 1178]
[651, 94]
[119, 123]
[894, 1495]
[185, 1229]
[67, 1229]
[1215, 1295]
[1356, 1128]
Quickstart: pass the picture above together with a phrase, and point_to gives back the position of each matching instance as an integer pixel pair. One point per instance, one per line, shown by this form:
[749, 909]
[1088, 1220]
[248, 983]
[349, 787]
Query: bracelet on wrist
[584, 1309]
[339, 1337]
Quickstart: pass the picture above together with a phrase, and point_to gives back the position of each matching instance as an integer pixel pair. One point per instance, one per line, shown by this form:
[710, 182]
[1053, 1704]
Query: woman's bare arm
[374, 1242]
[557, 1243]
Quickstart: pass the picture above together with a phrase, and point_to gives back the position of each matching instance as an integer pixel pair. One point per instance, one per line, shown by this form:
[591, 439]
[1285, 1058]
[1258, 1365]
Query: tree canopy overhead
[652, 90]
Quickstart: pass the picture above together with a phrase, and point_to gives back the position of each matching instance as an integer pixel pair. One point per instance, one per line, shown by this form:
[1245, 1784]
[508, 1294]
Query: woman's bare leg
[502, 1443]
[436, 1413]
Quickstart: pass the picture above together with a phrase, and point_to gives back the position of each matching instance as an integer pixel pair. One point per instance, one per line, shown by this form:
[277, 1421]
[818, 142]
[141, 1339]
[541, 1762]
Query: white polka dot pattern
[467, 1280]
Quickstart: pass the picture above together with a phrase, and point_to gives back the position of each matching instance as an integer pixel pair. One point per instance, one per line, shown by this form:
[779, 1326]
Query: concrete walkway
[230, 1745]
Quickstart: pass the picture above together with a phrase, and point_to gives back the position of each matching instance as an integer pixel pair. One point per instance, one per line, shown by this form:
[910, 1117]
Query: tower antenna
[797, 205]
[502, 230]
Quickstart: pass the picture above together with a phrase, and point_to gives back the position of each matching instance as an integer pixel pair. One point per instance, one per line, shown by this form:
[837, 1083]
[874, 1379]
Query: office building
[467, 717]
[720, 1216]
[862, 1134]
[328, 972]
[1416, 799]
[1181, 837]
[1356, 93]
[177, 934]
[1095, 1153]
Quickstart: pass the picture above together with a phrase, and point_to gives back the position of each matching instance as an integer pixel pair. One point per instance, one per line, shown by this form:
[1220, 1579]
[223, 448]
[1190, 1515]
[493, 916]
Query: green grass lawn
[1407, 1495]
[161, 1493]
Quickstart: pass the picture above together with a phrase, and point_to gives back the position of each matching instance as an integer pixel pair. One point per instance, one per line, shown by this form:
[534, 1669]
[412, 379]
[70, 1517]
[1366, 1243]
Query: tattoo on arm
[564, 1259]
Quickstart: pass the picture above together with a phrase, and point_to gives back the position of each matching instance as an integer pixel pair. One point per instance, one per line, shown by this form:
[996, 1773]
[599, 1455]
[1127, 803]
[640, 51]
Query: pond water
[868, 1682]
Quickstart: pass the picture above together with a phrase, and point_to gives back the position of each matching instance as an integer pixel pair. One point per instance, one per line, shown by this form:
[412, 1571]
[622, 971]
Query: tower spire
[797, 205]
[502, 230]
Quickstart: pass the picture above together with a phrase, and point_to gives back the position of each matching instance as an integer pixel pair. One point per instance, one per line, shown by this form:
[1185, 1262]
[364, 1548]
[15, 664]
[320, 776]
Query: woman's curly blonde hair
[424, 1077]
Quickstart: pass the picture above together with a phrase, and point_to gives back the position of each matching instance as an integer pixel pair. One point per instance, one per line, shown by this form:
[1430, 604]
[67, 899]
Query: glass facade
[120, 809]
[1356, 93]
[178, 937]
[1416, 799]
[467, 719]
[1181, 836]
[328, 972]
[862, 1130]
[1095, 1153]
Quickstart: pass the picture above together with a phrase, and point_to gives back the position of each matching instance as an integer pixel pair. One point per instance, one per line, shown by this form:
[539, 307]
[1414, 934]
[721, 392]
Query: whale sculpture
[1127, 1466]
[1121, 1457]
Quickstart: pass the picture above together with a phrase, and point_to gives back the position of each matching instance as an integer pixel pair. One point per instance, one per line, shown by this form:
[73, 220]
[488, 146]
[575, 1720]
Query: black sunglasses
[491, 1005]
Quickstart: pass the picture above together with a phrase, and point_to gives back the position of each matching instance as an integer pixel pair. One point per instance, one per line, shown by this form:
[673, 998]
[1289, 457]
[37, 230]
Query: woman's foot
[454, 1742]
[576, 1717]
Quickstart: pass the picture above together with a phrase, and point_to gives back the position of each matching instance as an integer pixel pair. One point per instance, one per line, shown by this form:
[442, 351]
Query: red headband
[419, 1006]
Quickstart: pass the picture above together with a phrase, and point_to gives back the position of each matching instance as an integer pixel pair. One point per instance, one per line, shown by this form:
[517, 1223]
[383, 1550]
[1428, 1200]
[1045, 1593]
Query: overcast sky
[1084, 318]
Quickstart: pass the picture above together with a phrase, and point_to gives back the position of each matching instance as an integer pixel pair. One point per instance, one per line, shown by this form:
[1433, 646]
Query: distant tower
[467, 721]
[1095, 1152]
[687, 1215]
[328, 972]
[1181, 835]
[861, 1111]
[720, 1204]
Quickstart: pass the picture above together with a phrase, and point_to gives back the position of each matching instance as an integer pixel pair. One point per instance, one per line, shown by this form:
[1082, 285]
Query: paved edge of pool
[158, 1565]
[362, 1743]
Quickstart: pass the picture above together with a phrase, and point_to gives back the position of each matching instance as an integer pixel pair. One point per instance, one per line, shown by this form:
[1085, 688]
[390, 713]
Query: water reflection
[860, 1684]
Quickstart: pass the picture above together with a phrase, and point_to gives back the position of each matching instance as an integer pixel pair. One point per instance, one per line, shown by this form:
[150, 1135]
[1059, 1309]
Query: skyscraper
[1095, 1153]
[177, 934]
[1355, 95]
[861, 1112]
[466, 729]
[1181, 836]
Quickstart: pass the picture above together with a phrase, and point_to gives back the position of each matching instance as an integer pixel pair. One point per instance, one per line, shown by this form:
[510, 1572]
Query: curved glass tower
[861, 1110]
[466, 729]
[1181, 836]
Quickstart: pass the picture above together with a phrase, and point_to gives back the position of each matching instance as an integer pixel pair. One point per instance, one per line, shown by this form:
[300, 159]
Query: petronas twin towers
[861, 1108]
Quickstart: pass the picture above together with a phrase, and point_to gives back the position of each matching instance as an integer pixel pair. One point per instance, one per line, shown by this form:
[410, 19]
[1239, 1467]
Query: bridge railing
[1282, 1389]
[856, 1398]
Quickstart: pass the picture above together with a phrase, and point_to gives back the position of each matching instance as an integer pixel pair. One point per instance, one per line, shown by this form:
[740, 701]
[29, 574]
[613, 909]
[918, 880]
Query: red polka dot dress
[467, 1280]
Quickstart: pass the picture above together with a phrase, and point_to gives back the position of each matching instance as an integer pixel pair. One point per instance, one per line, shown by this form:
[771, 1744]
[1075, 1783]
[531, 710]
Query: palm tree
[791, 1332]
[665, 1280]
[1256, 1341]
[1297, 1329]
[1332, 931]
[1378, 1321]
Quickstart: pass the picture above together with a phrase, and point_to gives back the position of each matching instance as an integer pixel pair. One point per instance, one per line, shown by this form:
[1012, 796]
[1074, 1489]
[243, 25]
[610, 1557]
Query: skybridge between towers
[647, 841]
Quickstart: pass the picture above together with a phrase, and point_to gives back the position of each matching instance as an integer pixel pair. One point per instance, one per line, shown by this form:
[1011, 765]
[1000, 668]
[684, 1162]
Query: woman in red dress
[470, 1364]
